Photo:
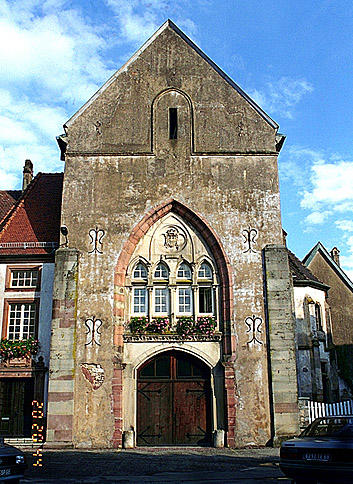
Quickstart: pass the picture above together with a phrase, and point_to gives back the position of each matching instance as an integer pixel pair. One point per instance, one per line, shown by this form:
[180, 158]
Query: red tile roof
[34, 218]
[8, 199]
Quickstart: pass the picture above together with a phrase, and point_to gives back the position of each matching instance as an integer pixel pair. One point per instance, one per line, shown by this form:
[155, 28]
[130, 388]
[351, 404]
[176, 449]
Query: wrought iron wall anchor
[250, 236]
[96, 236]
[98, 126]
[254, 327]
[93, 332]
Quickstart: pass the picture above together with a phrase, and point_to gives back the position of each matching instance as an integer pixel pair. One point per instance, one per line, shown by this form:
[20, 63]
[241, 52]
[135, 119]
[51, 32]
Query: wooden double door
[173, 401]
[16, 395]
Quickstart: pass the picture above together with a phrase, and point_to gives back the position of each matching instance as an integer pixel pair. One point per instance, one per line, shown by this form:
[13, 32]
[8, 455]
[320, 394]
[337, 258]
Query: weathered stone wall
[62, 349]
[340, 300]
[281, 331]
[112, 123]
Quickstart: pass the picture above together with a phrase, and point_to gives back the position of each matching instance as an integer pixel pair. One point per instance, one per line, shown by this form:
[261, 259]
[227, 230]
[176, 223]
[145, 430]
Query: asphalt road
[152, 465]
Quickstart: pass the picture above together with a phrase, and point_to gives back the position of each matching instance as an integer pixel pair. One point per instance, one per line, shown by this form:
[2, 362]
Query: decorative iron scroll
[96, 236]
[93, 326]
[250, 236]
[98, 126]
[254, 328]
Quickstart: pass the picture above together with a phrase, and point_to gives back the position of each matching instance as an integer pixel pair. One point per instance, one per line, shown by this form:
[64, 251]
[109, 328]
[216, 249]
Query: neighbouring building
[29, 235]
[316, 362]
[161, 333]
[326, 266]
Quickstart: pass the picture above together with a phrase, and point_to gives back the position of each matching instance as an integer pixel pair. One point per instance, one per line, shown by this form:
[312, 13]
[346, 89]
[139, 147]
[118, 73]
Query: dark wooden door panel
[191, 413]
[154, 416]
[173, 405]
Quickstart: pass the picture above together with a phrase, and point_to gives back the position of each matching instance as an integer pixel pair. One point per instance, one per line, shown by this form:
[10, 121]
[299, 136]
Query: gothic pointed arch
[213, 242]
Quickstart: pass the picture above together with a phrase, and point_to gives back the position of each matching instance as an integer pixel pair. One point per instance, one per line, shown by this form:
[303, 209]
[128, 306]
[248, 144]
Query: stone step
[26, 442]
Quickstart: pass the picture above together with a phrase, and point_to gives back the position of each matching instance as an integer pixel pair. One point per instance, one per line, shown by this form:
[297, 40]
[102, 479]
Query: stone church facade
[172, 312]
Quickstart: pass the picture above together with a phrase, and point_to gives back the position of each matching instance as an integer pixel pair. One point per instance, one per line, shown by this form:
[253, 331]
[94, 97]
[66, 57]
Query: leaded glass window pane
[24, 277]
[161, 300]
[140, 300]
[140, 271]
[205, 271]
[184, 271]
[161, 272]
[22, 319]
[184, 296]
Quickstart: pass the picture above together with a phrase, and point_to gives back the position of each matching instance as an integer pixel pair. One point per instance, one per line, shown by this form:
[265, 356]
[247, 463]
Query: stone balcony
[170, 337]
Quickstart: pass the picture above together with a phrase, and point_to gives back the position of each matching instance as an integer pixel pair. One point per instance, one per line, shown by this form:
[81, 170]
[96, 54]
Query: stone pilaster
[281, 337]
[62, 350]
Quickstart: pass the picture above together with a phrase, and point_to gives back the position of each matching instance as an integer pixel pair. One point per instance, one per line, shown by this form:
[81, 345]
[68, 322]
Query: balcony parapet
[171, 338]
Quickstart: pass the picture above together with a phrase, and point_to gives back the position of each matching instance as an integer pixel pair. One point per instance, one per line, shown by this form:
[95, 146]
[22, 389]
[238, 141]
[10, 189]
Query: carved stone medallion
[174, 239]
[94, 374]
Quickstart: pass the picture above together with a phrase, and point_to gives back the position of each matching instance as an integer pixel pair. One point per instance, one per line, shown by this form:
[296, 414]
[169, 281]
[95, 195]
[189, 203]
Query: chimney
[284, 235]
[335, 254]
[27, 174]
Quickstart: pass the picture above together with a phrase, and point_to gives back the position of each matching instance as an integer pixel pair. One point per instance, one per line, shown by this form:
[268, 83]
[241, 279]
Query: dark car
[12, 463]
[322, 453]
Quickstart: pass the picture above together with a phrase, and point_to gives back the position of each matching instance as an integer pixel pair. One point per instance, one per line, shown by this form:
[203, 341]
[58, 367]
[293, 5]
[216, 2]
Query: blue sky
[293, 58]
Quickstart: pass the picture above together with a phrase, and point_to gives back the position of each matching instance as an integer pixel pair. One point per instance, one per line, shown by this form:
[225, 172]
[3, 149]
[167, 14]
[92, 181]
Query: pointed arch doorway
[173, 401]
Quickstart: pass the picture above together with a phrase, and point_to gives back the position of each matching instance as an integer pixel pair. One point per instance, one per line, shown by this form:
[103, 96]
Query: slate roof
[32, 224]
[8, 199]
[302, 275]
[319, 248]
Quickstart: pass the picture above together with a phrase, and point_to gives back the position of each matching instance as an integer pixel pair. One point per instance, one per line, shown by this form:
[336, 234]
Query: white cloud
[346, 225]
[54, 52]
[317, 218]
[295, 165]
[281, 96]
[139, 19]
[53, 58]
[8, 180]
[331, 185]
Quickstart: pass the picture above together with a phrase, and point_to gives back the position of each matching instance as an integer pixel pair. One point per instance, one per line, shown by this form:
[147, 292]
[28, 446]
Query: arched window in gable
[175, 276]
[161, 272]
[205, 271]
[205, 290]
[139, 291]
[184, 271]
[140, 271]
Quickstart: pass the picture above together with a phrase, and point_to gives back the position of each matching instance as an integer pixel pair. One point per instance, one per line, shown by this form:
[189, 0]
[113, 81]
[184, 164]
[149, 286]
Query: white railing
[27, 245]
[320, 409]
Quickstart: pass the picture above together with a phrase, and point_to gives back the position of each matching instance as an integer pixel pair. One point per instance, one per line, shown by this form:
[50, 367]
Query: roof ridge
[4, 223]
[304, 271]
[169, 23]
[319, 247]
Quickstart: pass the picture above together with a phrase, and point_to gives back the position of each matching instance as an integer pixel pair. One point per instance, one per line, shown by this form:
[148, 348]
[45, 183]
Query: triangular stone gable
[320, 251]
[117, 119]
